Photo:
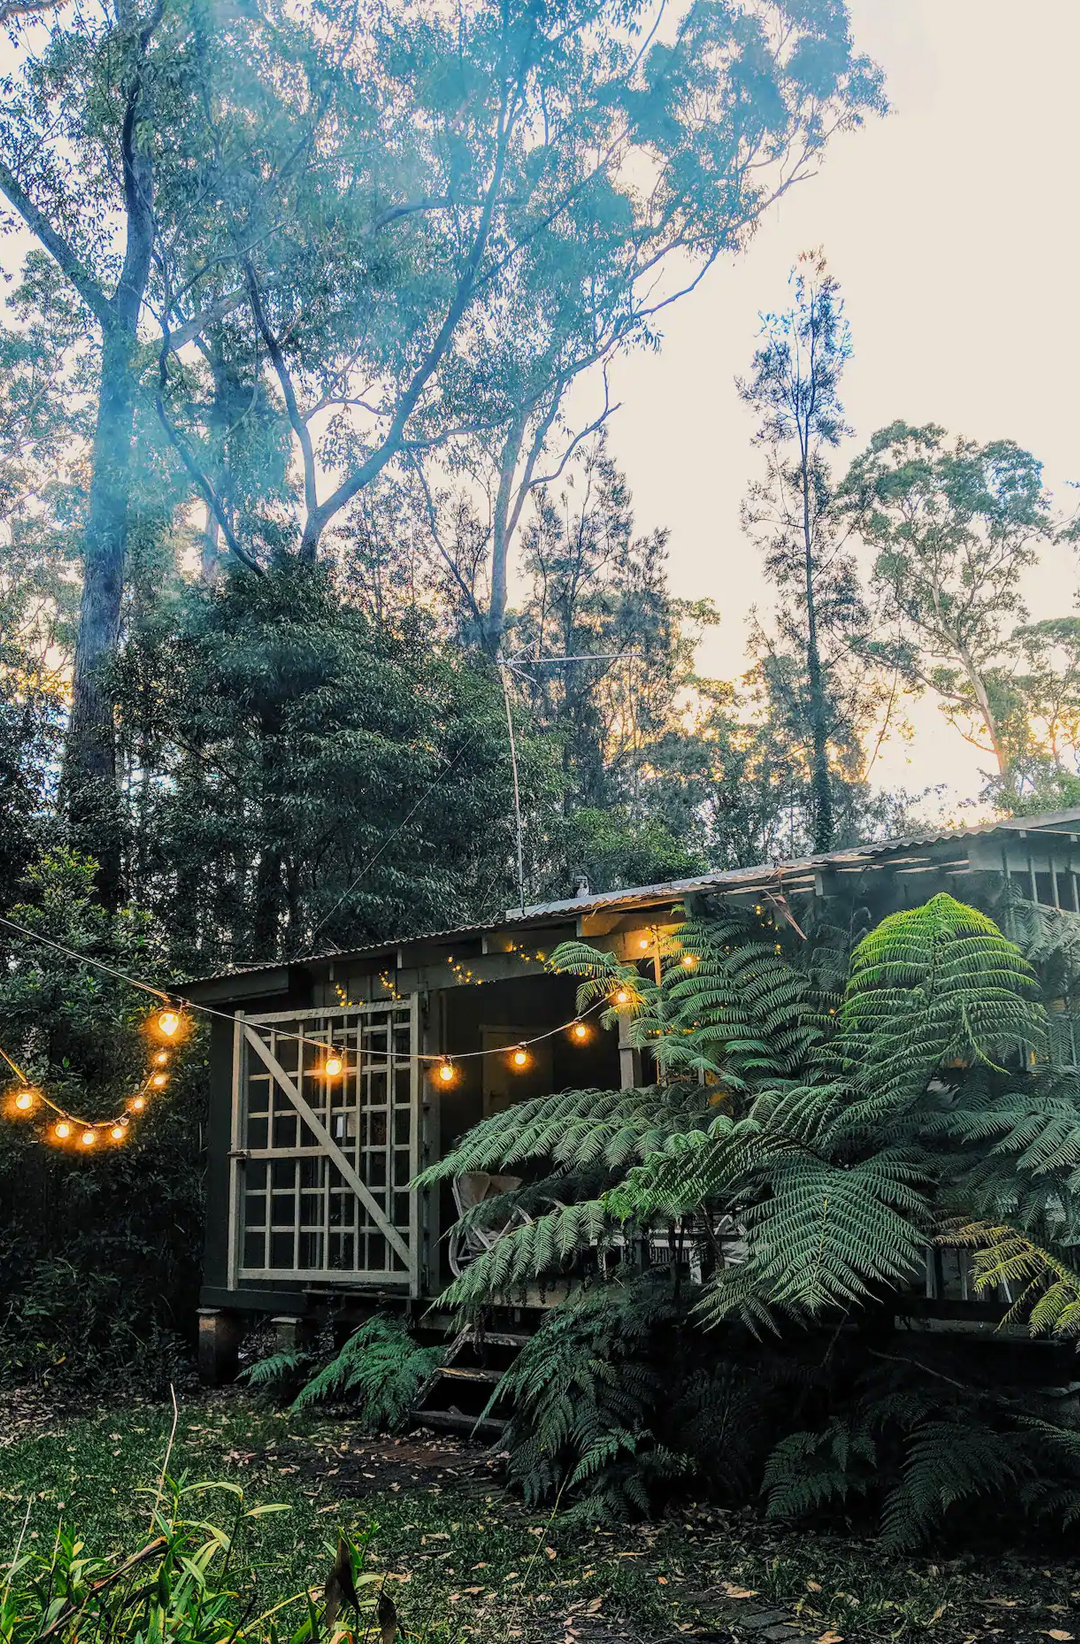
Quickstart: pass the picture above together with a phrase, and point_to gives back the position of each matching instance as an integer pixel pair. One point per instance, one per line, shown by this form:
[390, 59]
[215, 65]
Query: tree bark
[820, 781]
[90, 777]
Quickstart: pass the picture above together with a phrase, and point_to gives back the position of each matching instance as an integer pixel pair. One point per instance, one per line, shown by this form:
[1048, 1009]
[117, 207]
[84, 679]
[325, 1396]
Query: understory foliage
[190, 1578]
[379, 1371]
[744, 1230]
[99, 1260]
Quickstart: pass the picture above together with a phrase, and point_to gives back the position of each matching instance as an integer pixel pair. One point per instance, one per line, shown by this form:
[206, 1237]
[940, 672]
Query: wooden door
[322, 1165]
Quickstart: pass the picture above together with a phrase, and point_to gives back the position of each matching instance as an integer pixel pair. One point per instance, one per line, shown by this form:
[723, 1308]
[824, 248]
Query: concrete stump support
[219, 1345]
[291, 1332]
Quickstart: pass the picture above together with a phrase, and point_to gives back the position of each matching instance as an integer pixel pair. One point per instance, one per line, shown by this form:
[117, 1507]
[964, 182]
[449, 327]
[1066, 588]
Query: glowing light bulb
[520, 1058]
[159, 1080]
[622, 997]
[447, 1073]
[579, 1031]
[161, 1059]
[137, 1103]
[643, 944]
[63, 1130]
[333, 1066]
[689, 959]
[88, 1138]
[168, 1022]
[118, 1132]
[24, 1101]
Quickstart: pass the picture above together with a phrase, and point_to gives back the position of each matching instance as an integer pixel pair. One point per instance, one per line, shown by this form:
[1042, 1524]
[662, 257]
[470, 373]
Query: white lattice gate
[321, 1165]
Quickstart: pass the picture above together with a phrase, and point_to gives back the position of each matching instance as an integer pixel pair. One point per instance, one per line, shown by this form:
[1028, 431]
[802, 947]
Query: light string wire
[230, 1017]
[370, 863]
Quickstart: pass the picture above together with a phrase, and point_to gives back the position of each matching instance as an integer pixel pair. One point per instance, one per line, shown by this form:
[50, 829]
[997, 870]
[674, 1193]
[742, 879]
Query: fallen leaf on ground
[1059, 1632]
[830, 1638]
[732, 1591]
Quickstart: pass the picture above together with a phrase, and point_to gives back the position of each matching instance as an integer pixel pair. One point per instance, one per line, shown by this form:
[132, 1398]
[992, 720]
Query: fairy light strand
[621, 998]
[65, 1123]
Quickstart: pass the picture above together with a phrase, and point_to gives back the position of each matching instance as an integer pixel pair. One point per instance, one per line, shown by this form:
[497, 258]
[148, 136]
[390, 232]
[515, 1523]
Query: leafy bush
[380, 1370]
[99, 1258]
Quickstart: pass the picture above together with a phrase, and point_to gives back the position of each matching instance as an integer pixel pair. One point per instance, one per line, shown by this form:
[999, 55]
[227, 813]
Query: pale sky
[952, 228]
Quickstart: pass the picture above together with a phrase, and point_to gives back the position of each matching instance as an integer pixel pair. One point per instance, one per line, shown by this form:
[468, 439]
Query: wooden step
[468, 1372]
[500, 1338]
[453, 1421]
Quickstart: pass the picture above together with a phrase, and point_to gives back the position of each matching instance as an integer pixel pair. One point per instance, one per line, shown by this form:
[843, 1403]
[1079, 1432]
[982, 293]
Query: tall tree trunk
[824, 827]
[90, 778]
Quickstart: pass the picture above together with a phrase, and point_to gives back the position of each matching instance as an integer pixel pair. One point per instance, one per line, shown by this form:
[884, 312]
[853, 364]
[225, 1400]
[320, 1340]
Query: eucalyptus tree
[474, 206]
[793, 516]
[954, 525]
[414, 227]
[104, 157]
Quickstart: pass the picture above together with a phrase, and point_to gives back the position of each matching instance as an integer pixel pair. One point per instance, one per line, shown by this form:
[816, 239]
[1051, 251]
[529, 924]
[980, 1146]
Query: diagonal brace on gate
[323, 1136]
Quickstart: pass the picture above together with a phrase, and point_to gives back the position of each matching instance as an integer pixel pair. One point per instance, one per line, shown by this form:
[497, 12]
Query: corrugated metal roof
[672, 890]
[766, 871]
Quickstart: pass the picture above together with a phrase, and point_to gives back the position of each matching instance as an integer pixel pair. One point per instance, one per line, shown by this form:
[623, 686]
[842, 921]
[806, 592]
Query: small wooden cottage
[328, 1090]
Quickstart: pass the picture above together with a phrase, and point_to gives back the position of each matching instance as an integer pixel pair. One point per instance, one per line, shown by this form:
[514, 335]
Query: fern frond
[1049, 1289]
[380, 1368]
[810, 1470]
[538, 1250]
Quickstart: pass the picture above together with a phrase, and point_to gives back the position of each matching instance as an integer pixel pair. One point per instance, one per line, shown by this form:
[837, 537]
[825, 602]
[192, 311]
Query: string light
[643, 944]
[622, 997]
[173, 1021]
[689, 959]
[63, 1125]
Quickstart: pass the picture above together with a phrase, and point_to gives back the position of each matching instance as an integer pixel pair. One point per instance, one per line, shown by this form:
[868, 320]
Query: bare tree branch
[26, 8]
[58, 248]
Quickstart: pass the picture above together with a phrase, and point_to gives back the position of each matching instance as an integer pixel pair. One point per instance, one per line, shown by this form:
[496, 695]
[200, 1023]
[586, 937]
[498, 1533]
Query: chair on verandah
[471, 1189]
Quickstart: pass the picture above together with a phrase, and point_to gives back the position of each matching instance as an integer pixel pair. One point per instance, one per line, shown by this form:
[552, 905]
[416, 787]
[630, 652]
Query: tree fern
[840, 1130]
[380, 1370]
[581, 1392]
[936, 984]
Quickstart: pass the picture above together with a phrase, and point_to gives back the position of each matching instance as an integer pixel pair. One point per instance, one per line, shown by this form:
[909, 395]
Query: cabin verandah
[311, 1205]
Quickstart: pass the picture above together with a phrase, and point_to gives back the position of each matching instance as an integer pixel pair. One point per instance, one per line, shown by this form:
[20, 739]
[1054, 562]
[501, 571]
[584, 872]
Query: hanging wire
[230, 1017]
[504, 668]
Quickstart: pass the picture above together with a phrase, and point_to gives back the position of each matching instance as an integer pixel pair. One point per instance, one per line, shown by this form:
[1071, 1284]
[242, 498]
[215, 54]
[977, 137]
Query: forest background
[311, 364]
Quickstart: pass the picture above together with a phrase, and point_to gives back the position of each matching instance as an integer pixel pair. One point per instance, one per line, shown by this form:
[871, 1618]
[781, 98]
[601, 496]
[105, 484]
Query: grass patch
[462, 1561]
